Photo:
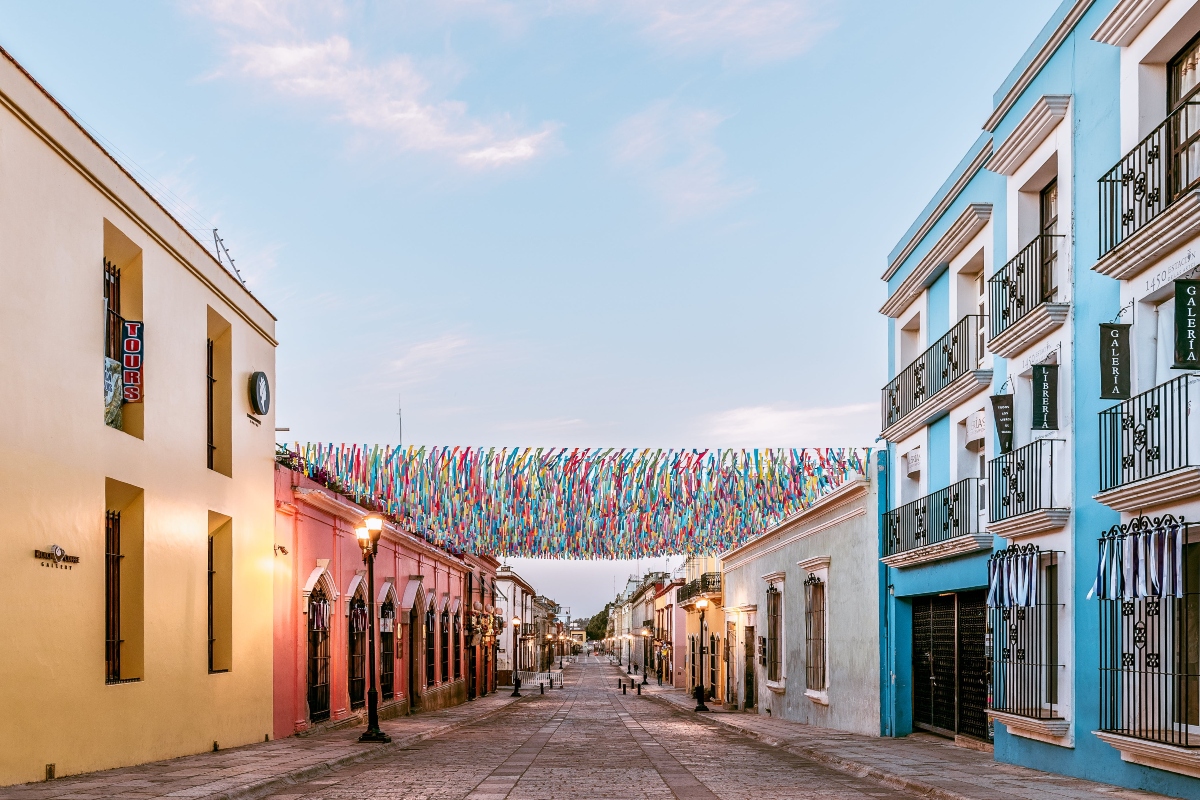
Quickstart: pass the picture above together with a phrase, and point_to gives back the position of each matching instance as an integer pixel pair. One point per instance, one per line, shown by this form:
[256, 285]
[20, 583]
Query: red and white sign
[132, 358]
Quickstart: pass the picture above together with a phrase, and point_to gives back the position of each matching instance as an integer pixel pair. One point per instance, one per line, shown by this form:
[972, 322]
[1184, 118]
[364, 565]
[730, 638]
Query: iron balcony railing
[1157, 172]
[947, 359]
[1024, 283]
[1149, 435]
[934, 518]
[1023, 480]
[688, 591]
[710, 583]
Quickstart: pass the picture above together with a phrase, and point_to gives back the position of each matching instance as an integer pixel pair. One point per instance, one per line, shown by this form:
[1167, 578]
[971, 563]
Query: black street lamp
[701, 604]
[368, 539]
[516, 660]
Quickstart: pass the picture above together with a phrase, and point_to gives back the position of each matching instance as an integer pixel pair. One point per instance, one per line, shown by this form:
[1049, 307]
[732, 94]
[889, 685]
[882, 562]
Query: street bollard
[639, 690]
[541, 688]
[622, 688]
[620, 683]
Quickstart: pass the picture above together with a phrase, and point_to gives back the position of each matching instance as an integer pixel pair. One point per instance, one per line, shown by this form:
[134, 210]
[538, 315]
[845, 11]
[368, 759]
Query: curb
[276, 782]
[855, 768]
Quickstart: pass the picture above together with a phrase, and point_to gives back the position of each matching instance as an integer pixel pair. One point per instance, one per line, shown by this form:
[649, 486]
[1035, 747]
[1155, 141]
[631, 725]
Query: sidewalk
[256, 770]
[921, 763]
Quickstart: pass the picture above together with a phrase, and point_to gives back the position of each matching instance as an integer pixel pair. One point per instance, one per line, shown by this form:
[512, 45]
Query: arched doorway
[318, 656]
[357, 651]
[416, 646]
[387, 650]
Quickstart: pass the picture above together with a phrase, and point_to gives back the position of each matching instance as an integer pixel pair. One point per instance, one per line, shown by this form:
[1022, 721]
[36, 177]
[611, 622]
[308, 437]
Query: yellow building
[705, 639]
[138, 539]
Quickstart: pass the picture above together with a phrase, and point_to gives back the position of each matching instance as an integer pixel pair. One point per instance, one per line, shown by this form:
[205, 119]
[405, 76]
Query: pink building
[435, 613]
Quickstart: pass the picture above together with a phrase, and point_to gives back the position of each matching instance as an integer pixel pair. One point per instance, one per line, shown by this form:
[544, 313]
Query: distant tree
[597, 626]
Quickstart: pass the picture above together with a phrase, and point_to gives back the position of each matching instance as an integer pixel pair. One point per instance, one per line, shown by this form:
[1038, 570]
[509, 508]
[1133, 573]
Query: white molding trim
[411, 590]
[813, 564]
[1181, 760]
[1043, 520]
[323, 501]
[388, 588]
[958, 391]
[359, 580]
[1029, 329]
[961, 231]
[849, 490]
[976, 164]
[1165, 233]
[775, 577]
[1127, 19]
[1029, 133]
[1039, 60]
[778, 687]
[820, 698]
[1152, 492]
[1051, 731]
[838, 520]
[959, 545]
[320, 574]
[284, 507]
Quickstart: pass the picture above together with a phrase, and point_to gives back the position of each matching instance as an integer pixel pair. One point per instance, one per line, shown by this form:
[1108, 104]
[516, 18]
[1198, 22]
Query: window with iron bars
[1022, 632]
[211, 574]
[358, 651]
[445, 642]
[814, 632]
[112, 597]
[714, 666]
[318, 656]
[1147, 582]
[212, 380]
[774, 634]
[387, 650]
[430, 647]
[456, 639]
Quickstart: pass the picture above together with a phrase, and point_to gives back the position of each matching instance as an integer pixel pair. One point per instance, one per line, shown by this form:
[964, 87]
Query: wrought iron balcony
[935, 518]
[1150, 436]
[1150, 178]
[946, 360]
[710, 583]
[1024, 283]
[688, 591]
[1022, 481]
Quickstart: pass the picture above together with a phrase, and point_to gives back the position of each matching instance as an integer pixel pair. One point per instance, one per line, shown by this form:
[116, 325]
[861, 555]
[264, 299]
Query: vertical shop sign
[1002, 413]
[1045, 397]
[132, 359]
[1187, 324]
[1114, 362]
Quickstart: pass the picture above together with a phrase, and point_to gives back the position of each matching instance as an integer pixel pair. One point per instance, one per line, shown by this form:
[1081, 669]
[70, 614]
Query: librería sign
[1045, 397]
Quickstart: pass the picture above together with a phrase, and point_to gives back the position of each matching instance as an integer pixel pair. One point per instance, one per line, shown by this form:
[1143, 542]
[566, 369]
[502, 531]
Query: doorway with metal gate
[950, 664]
[748, 670]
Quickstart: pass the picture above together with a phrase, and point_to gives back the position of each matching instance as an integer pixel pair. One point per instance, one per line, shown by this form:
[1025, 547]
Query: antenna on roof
[219, 246]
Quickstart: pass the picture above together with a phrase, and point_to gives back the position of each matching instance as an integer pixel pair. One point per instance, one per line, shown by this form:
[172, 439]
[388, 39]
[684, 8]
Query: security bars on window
[1022, 632]
[814, 625]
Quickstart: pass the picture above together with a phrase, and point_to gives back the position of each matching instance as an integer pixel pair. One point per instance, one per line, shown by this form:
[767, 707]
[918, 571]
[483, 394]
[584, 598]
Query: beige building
[705, 639]
[138, 539]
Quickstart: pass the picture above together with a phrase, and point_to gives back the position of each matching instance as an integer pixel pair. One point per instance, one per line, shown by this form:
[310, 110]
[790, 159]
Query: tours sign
[1187, 324]
[1045, 397]
[132, 358]
[1114, 361]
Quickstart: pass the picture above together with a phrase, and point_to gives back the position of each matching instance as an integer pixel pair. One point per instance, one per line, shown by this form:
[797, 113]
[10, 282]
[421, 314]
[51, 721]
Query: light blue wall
[938, 462]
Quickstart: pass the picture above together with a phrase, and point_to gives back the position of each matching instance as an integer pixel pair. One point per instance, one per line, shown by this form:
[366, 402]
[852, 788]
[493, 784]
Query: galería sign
[55, 558]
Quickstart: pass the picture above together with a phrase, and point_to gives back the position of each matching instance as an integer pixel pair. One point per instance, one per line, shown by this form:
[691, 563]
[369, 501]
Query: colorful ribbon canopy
[581, 503]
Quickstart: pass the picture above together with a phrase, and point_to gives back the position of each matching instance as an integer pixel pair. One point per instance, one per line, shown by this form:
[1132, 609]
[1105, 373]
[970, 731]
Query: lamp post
[645, 656]
[701, 604]
[516, 657]
[368, 539]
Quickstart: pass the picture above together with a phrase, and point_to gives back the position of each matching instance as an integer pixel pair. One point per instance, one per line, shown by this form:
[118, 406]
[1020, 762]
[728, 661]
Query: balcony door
[1183, 105]
[1048, 228]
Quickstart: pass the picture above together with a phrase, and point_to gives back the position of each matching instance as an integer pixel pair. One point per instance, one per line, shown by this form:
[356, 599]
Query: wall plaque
[1045, 397]
[55, 558]
[1114, 361]
[1187, 324]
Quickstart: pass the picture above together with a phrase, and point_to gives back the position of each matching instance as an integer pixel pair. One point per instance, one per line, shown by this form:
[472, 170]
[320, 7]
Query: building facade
[704, 635]
[802, 615]
[139, 538]
[1037, 555]
[515, 603]
[668, 616]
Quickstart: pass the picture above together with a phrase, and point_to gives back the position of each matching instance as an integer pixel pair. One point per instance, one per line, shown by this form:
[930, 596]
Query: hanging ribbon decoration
[573, 503]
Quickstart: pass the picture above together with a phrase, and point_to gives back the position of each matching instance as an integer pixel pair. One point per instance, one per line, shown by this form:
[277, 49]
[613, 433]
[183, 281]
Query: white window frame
[819, 567]
[776, 580]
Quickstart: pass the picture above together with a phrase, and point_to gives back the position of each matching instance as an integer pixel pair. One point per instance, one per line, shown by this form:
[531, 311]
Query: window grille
[774, 634]
[456, 641]
[692, 660]
[445, 645]
[1149, 639]
[212, 443]
[714, 644]
[1049, 231]
[318, 656]
[357, 654]
[112, 596]
[113, 322]
[814, 613]
[211, 574]
[387, 650]
[430, 647]
[1022, 632]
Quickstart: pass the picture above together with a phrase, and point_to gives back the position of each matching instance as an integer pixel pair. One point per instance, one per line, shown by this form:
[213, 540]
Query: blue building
[1042, 581]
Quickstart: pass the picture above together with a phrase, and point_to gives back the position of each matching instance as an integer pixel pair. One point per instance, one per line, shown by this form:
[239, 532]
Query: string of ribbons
[581, 502]
[1147, 562]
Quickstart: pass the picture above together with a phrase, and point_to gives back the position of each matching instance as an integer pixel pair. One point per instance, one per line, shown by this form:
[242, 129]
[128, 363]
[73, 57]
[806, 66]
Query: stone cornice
[963, 387]
[962, 230]
[848, 491]
[1181, 760]
[1152, 492]
[335, 506]
[959, 545]
[1029, 133]
[815, 563]
[1168, 231]
[1028, 330]
[1043, 520]
[1051, 731]
[1035, 65]
[1127, 19]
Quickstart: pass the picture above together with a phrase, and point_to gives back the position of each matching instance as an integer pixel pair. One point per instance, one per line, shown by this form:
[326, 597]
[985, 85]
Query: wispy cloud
[782, 425]
[432, 359]
[673, 152]
[266, 42]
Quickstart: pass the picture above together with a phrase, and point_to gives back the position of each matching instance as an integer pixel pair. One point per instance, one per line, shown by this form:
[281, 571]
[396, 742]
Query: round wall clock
[260, 393]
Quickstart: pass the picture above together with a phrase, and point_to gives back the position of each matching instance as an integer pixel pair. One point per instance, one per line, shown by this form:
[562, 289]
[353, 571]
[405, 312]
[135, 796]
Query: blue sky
[625, 223]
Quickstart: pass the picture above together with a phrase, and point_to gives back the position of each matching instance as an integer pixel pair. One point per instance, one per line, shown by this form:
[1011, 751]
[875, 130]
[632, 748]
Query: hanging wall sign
[1002, 412]
[1187, 324]
[132, 357]
[1045, 397]
[1114, 362]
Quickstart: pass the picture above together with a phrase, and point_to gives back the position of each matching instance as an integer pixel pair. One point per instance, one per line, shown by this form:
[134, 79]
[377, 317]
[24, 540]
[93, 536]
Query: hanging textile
[1014, 577]
[387, 620]
[318, 615]
[358, 618]
[1143, 558]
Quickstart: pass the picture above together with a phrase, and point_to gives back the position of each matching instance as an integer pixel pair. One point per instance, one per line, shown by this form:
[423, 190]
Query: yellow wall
[60, 466]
